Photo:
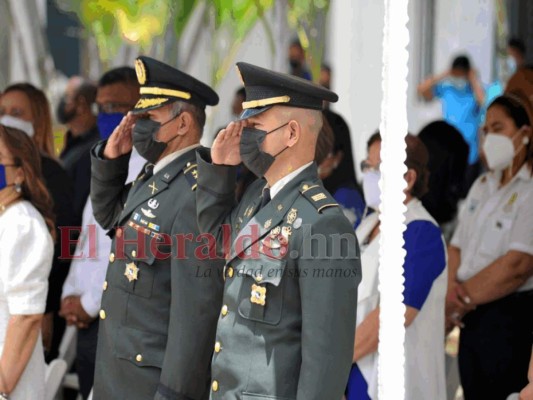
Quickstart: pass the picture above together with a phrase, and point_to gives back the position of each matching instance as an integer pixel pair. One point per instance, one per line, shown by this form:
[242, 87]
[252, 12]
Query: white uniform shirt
[494, 221]
[87, 275]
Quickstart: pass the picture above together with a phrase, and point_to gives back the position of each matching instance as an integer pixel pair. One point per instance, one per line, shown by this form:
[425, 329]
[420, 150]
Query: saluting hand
[225, 150]
[120, 142]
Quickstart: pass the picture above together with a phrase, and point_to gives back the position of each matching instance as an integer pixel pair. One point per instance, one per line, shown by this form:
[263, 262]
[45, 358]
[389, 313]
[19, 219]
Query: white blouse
[494, 221]
[26, 250]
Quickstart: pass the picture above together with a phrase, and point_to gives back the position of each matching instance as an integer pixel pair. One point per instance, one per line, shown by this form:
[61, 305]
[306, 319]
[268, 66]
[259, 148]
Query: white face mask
[17, 123]
[499, 150]
[371, 189]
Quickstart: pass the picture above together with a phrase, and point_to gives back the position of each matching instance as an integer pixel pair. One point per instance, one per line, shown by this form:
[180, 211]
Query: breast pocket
[495, 238]
[135, 252]
[261, 292]
[143, 349]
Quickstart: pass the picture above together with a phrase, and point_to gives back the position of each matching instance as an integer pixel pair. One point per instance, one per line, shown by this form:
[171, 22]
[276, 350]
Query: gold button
[139, 358]
[133, 253]
[214, 386]
[102, 314]
[105, 285]
[224, 310]
[112, 257]
[230, 272]
[305, 187]
[218, 346]
[119, 232]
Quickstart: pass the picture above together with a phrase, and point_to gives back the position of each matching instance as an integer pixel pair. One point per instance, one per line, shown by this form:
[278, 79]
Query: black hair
[296, 43]
[119, 75]
[87, 90]
[514, 105]
[518, 44]
[376, 137]
[461, 62]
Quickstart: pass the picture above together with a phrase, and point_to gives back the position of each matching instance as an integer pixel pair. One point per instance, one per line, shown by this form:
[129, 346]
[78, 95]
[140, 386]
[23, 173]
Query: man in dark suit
[286, 326]
[162, 291]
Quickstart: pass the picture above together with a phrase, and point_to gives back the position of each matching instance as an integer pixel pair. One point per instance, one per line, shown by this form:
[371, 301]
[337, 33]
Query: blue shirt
[460, 109]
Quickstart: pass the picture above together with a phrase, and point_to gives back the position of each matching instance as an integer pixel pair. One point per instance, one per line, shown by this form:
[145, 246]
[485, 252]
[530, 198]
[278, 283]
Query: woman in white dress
[425, 286]
[26, 248]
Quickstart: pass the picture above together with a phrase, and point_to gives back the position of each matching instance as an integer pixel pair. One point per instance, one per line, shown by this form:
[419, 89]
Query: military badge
[131, 272]
[291, 216]
[258, 295]
[153, 187]
[153, 204]
[147, 213]
[275, 232]
[267, 224]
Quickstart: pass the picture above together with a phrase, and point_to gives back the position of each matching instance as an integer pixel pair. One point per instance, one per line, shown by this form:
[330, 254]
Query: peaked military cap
[266, 88]
[162, 84]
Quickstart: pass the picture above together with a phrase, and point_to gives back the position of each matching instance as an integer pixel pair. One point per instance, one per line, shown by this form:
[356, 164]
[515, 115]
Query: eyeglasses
[110, 108]
[366, 166]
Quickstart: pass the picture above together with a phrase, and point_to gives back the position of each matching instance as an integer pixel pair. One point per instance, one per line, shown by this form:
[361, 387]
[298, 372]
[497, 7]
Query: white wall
[355, 41]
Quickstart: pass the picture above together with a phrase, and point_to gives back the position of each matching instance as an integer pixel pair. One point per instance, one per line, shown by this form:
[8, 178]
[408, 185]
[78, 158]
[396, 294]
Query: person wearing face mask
[298, 66]
[163, 289]
[463, 98]
[118, 92]
[286, 328]
[425, 275]
[75, 112]
[490, 290]
[27, 230]
[28, 109]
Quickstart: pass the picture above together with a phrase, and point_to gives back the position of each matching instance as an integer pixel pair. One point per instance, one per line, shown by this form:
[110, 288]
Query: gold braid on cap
[265, 102]
[145, 103]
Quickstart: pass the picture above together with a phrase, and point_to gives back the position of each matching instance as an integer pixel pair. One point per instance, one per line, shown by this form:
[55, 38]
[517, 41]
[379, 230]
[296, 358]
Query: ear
[185, 123]
[410, 178]
[19, 176]
[295, 130]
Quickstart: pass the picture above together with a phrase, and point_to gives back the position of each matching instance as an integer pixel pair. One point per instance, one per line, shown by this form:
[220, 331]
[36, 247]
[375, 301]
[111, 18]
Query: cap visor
[252, 112]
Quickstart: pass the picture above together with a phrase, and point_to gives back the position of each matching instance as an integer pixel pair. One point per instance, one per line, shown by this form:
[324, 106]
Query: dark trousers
[86, 356]
[495, 347]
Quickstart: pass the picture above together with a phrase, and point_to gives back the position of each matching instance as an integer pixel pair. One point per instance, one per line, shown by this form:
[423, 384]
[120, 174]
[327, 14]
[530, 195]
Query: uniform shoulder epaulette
[317, 196]
[191, 173]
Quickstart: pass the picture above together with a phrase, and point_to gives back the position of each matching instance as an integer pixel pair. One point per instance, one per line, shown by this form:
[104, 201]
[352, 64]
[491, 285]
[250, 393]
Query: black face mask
[255, 159]
[295, 64]
[144, 141]
[63, 115]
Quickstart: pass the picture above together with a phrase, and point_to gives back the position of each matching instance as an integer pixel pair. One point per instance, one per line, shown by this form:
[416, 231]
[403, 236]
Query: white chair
[53, 377]
[67, 352]
[67, 347]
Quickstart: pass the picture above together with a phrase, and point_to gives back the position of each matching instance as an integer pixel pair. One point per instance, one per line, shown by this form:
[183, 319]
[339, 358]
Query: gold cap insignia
[140, 70]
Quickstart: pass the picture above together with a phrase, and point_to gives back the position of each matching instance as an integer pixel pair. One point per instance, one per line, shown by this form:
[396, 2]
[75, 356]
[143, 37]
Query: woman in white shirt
[425, 286]
[26, 248]
[490, 292]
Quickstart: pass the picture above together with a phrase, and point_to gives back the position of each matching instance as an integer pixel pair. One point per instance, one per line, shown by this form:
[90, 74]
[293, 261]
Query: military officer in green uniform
[162, 293]
[286, 325]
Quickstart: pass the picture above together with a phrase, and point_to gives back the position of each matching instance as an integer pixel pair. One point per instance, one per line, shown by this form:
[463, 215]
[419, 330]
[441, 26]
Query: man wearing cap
[287, 322]
[162, 291]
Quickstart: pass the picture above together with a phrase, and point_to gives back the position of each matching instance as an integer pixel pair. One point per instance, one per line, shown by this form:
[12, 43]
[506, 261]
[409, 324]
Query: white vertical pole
[391, 378]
